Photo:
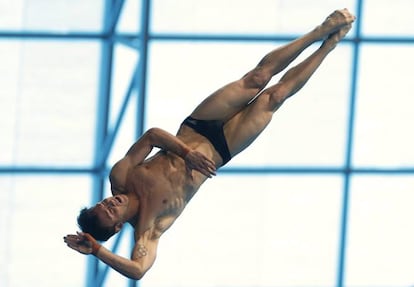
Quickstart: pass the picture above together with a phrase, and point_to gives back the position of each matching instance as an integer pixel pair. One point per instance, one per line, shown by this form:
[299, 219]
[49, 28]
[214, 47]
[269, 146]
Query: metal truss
[106, 134]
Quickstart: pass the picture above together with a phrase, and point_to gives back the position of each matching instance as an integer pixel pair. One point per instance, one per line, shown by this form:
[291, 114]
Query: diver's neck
[133, 210]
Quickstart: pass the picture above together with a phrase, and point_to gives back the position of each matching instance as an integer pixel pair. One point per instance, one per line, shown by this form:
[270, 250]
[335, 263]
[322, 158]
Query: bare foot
[337, 20]
[337, 36]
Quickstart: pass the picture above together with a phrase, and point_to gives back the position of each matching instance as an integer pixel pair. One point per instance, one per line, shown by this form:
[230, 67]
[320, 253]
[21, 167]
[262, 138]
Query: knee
[277, 94]
[256, 79]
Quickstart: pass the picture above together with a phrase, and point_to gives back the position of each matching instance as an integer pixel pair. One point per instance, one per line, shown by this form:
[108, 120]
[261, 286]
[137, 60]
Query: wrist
[185, 152]
[95, 248]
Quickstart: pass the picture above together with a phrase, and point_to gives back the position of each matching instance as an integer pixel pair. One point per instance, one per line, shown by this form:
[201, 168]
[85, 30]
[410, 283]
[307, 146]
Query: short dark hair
[89, 222]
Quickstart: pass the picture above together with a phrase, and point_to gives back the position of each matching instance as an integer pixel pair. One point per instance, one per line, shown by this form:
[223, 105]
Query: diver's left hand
[82, 242]
[198, 161]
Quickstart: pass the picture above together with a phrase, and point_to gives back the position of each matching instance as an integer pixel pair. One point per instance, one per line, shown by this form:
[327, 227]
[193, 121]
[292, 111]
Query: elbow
[137, 272]
[136, 276]
[140, 267]
[152, 131]
[152, 134]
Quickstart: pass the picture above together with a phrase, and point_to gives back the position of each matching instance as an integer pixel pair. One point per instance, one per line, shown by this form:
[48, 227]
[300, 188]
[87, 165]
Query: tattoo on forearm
[142, 251]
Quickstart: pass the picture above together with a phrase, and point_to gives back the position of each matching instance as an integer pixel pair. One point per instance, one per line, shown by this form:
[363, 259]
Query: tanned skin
[150, 193]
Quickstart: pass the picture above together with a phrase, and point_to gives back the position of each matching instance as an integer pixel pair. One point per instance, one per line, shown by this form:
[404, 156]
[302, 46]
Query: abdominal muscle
[164, 188]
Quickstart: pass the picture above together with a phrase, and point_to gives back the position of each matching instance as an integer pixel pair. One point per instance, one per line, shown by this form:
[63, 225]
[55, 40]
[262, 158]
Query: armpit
[162, 224]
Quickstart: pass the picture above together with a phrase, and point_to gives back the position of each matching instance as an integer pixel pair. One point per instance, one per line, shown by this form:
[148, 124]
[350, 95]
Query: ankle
[329, 44]
[319, 33]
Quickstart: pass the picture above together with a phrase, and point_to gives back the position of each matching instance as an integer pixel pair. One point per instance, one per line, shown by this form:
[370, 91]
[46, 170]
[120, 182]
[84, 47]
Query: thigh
[241, 130]
[227, 101]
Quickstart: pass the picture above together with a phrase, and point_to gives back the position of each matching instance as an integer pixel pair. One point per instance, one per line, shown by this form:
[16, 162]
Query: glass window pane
[286, 227]
[49, 105]
[309, 129]
[241, 17]
[380, 250]
[384, 116]
[126, 135]
[40, 210]
[254, 231]
[51, 15]
[124, 64]
[10, 70]
[130, 17]
[377, 15]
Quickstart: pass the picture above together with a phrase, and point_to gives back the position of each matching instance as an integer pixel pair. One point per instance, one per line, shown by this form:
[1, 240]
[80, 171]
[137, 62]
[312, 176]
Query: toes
[349, 18]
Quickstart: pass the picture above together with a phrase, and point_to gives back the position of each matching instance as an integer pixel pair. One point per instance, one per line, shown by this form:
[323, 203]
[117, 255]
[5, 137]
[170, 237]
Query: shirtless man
[150, 193]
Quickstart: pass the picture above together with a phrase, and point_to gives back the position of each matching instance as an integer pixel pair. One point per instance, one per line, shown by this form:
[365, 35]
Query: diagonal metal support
[127, 40]
[101, 275]
[117, 6]
[111, 16]
[110, 138]
[142, 67]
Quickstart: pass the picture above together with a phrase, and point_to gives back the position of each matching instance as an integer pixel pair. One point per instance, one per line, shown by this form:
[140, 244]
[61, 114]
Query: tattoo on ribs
[142, 250]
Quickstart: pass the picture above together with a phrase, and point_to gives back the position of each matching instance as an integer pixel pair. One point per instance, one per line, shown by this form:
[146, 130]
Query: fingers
[72, 241]
[206, 173]
[71, 238]
[207, 167]
[201, 163]
[212, 170]
[79, 243]
[204, 170]
[73, 246]
[75, 239]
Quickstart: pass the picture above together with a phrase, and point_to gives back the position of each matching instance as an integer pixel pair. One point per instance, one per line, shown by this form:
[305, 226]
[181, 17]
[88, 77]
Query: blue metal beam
[349, 150]
[100, 277]
[37, 35]
[92, 263]
[109, 140]
[85, 36]
[47, 170]
[131, 42]
[111, 16]
[131, 37]
[142, 66]
[106, 136]
[141, 80]
[254, 170]
[112, 12]
[117, 6]
[268, 38]
[314, 170]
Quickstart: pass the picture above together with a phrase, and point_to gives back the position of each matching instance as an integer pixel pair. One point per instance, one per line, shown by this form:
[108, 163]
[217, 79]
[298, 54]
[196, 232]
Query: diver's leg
[227, 101]
[244, 127]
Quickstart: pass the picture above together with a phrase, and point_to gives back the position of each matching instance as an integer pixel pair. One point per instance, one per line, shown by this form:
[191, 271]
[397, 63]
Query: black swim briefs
[213, 131]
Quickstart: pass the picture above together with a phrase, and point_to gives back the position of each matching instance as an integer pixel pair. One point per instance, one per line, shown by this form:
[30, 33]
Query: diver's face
[111, 211]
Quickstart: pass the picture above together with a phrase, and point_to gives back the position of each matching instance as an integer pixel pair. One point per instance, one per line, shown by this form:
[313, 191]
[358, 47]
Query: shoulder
[118, 174]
